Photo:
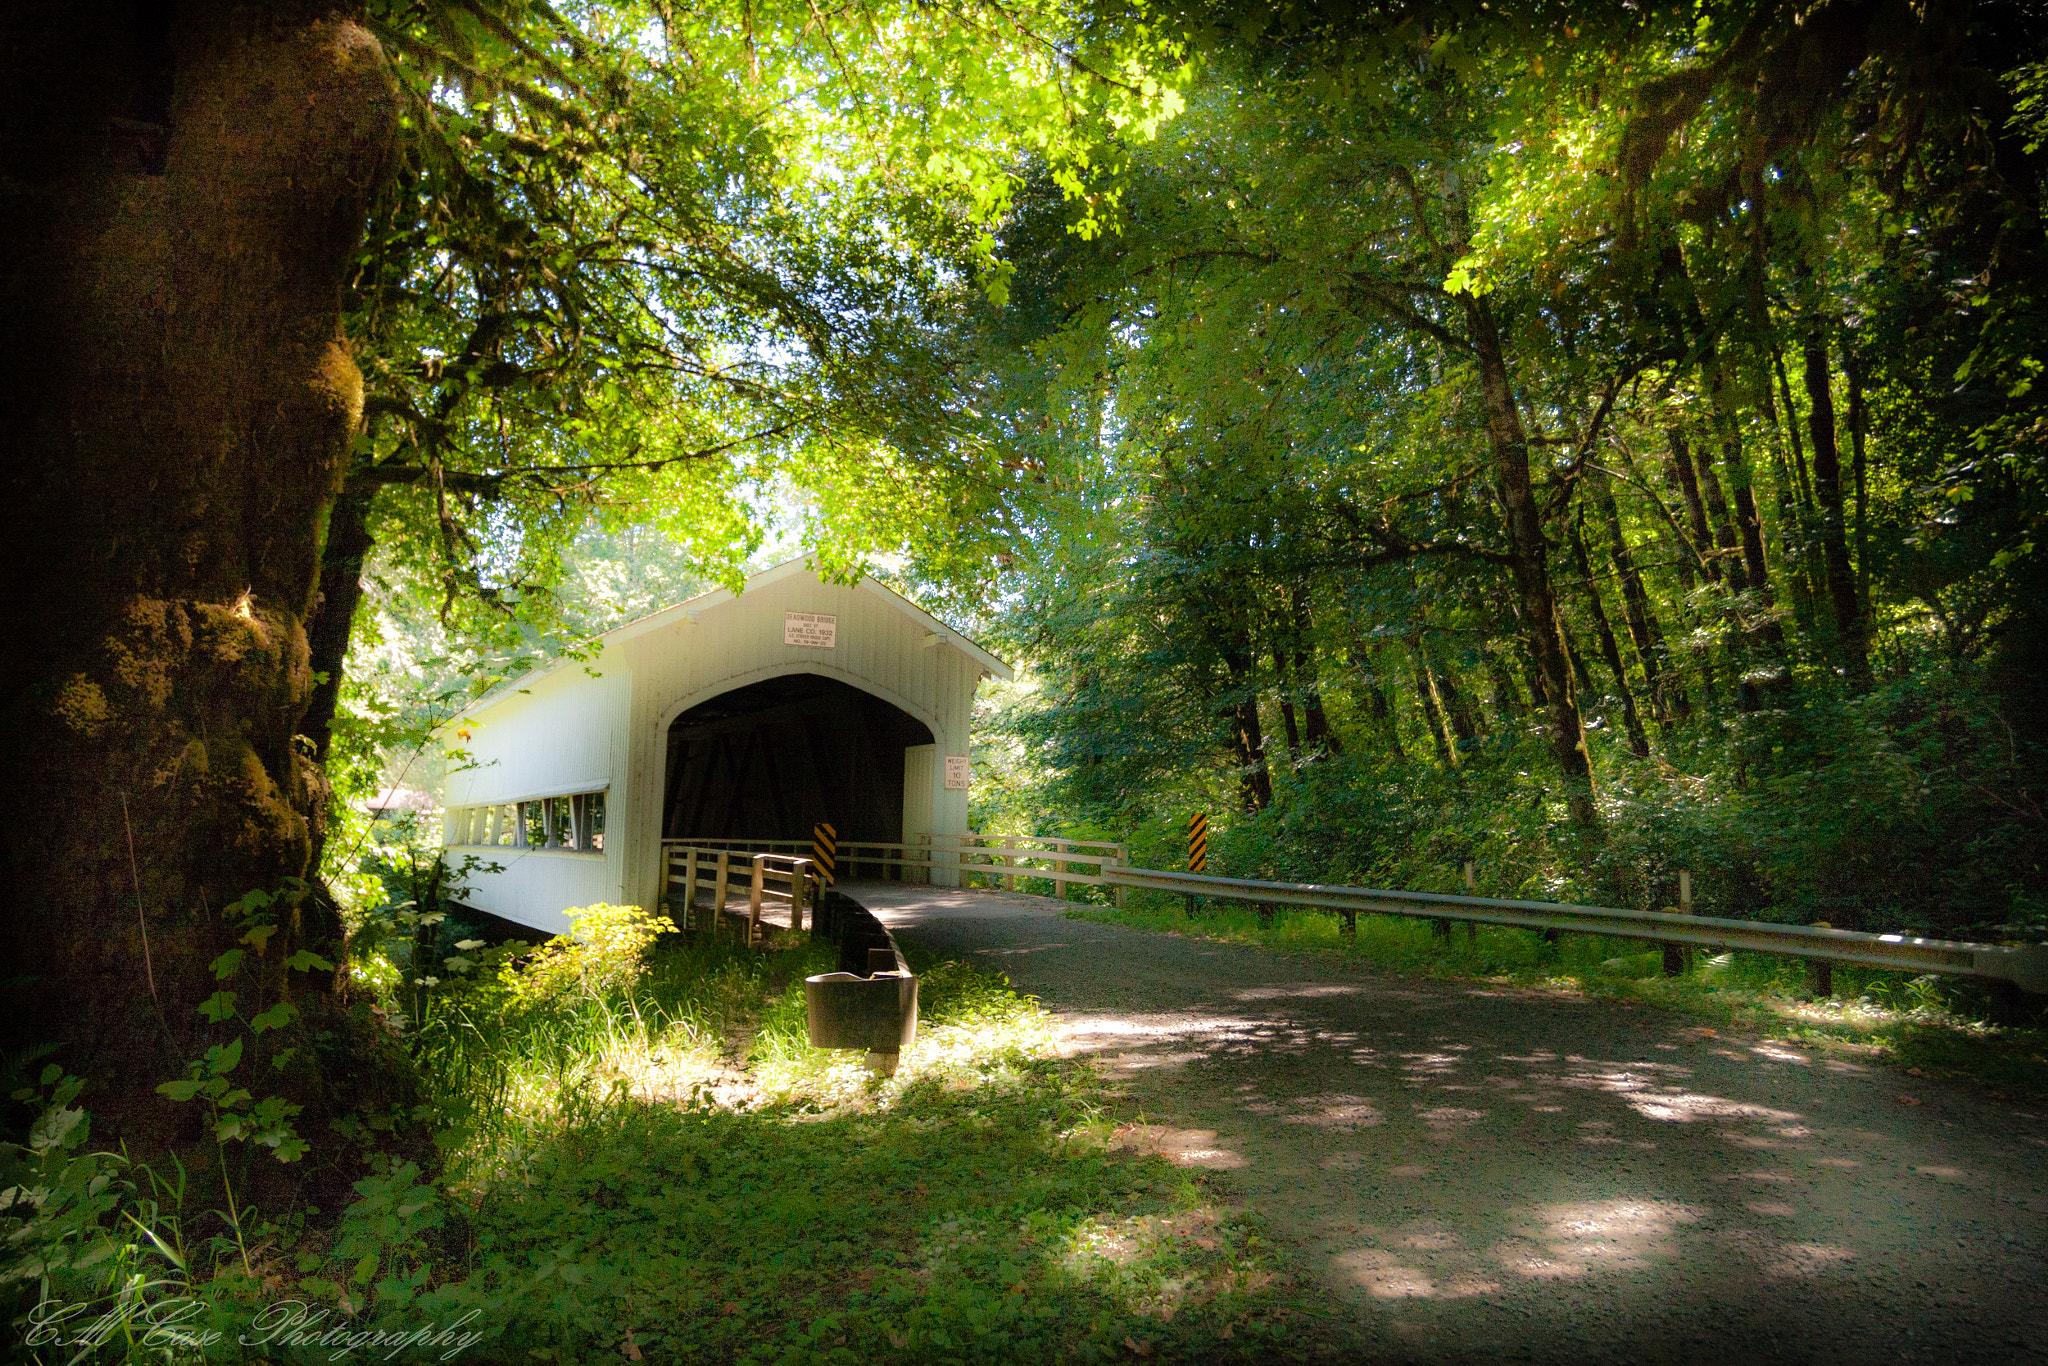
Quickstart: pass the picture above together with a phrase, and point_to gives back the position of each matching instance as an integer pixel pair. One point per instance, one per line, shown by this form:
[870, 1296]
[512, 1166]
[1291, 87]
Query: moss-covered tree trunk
[183, 185]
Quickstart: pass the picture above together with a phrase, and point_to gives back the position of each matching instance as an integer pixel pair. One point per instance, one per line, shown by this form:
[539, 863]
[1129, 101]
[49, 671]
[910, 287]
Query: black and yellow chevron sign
[825, 849]
[1198, 844]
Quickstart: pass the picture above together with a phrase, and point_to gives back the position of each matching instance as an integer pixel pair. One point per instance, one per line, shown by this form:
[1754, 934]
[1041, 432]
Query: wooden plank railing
[1006, 859]
[715, 870]
[994, 859]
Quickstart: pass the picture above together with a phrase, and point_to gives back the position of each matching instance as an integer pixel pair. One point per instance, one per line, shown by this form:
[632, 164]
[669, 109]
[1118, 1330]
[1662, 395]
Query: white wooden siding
[563, 730]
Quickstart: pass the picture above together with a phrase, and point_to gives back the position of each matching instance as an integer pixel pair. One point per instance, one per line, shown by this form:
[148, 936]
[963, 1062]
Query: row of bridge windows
[574, 822]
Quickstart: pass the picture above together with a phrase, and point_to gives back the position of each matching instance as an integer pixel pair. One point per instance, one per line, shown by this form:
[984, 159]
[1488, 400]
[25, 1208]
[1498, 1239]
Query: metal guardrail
[2025, 966]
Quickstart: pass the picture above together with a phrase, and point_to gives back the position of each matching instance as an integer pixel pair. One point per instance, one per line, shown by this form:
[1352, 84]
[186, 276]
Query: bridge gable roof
[687, 610]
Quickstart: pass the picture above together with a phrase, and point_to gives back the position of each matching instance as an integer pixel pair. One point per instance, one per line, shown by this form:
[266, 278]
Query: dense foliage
[1741, 305]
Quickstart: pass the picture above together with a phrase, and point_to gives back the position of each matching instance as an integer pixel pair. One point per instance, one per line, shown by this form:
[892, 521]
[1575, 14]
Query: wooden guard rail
[692, 868]
[996, 859]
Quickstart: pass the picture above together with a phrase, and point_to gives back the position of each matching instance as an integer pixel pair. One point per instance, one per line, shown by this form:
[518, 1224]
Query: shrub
[603, 955]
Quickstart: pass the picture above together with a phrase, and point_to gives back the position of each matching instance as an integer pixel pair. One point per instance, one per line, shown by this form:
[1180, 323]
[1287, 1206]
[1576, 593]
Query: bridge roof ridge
[717, 597]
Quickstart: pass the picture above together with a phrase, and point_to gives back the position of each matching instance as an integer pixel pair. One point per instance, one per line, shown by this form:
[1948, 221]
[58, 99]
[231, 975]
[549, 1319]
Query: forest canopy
[1593, 443]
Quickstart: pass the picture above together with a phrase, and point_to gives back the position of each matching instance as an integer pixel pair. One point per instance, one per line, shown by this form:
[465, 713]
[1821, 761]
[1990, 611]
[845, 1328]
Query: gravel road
[1489, 1173]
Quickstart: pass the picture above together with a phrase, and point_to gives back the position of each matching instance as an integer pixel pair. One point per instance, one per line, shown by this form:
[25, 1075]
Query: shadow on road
[1485, 1172]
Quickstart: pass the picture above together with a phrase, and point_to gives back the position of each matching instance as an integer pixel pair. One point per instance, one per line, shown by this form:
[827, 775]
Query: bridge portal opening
[770, 760]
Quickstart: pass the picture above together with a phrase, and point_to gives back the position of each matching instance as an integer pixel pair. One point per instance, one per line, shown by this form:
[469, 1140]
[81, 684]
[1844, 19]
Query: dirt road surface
[1480, 1173]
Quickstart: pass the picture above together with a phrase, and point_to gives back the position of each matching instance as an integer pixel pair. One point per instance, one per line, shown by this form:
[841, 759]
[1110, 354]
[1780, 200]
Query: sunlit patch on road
[1446, 1116]
[1615, 1232]
[1686, 1107]
[1182, 1147]
[1533, 1261]
[1334, 1112]
[1807, 1259]
[1303, 991]
[1382, 1275]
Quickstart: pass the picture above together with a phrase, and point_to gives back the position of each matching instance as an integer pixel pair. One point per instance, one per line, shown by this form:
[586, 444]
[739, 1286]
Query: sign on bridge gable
[817, 630]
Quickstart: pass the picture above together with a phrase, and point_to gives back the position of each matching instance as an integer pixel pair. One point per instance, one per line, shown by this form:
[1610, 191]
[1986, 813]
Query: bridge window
[574, 823]
[587, 811]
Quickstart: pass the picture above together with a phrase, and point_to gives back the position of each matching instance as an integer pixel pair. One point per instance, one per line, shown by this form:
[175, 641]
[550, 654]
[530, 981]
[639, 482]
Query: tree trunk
[1432, 709]
[1858, 420]
[1285, 693]
[1827, 491]
[1580, 672]
[1725, 540]
[1247, 736]
[1537, 696]
[347, 547]
[1797, 548]
[1376, 699]
[1696, 511]
[1752, 572]
[334, 611]
[1727, 426]
[1666, 694]
[1792, 428]
[1507, 698]
[1466, 721]
[1537, 599]
[1672, 265]
[1748, 526]
[180, 200]
[1738, 579]
[1319, 737]
[1638, 741]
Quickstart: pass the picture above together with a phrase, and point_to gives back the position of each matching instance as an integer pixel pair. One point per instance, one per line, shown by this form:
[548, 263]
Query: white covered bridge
[732, 720]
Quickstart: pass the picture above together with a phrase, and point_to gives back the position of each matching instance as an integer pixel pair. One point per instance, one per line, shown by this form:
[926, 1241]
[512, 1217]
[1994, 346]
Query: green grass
[970, 1208]
[1941, 1026]
[672, 1174]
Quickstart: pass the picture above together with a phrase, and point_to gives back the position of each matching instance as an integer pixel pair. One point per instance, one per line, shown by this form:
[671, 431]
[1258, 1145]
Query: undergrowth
[652, 1164]
[1941, 1026]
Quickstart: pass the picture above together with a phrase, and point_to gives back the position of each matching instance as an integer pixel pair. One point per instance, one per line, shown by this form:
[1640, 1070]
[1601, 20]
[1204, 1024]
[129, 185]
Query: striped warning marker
[1198, 844]
[825, 849]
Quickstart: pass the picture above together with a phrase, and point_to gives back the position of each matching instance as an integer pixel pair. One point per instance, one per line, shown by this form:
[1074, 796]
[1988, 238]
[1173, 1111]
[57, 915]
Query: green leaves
[278, 1016]
[58, 1127]
[224, 1058]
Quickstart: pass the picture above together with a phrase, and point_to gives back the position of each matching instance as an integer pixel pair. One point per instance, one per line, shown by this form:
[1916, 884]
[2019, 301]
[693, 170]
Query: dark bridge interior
[770, 760]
